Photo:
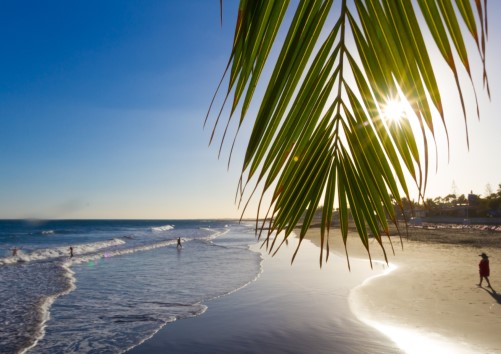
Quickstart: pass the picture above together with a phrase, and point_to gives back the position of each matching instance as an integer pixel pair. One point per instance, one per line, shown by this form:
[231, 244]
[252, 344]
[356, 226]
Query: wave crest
[49, 253]
[162, 228]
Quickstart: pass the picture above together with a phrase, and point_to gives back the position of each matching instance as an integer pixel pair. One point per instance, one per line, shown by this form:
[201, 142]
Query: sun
[394, 110]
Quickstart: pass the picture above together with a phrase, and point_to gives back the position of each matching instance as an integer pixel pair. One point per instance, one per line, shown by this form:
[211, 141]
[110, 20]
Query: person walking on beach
[71, 252]
[179, 243]
[484, 269]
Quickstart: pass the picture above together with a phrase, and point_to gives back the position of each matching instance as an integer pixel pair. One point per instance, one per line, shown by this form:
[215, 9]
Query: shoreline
[296, 308]
[426, 294]
[431, 296]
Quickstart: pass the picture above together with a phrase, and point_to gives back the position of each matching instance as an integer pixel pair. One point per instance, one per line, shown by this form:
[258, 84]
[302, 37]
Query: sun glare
[394, 110]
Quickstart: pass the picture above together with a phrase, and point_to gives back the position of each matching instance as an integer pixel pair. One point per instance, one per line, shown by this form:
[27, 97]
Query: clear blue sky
[102, 105]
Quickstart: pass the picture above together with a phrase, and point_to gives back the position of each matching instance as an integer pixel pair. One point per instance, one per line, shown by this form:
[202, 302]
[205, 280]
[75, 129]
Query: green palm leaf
[320, 136]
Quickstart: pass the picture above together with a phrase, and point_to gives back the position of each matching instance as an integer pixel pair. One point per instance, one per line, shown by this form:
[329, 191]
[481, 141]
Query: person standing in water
[71, 251]
[484, 269]
[14, 251]
[179, 243]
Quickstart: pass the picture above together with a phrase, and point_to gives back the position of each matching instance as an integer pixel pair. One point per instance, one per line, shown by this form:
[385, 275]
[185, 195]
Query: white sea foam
[171, 319]
[48, 232]
[215, 234]
[47, 304]
[49, 253]
[162, 228]
[120, 252]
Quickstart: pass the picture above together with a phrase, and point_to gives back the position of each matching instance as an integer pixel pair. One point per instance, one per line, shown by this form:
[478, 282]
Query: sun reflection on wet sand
[414, 342]
[409, 340]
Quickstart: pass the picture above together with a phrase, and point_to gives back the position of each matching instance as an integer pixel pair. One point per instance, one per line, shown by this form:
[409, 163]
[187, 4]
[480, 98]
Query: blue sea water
[126, 280]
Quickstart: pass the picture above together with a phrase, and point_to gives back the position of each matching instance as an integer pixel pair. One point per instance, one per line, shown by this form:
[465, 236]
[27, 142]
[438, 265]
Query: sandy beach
[430, 299]
[425, 300]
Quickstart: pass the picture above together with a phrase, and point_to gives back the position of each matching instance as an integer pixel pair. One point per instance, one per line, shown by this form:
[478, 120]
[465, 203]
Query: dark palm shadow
[494, 294]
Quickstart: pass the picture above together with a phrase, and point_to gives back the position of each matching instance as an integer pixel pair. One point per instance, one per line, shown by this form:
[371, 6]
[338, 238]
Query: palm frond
[319, 136]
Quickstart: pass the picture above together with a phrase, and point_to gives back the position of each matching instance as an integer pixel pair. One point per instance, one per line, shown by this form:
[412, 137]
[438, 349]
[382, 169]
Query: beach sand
[428, 301]
[431, 300]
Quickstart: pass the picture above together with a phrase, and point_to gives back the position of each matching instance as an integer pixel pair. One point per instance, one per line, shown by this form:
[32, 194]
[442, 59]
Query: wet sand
[297, 308]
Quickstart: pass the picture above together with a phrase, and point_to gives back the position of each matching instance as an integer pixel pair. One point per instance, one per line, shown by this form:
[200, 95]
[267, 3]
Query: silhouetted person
[179, 243]
[484, 269]
[71, 251]
[14, 251]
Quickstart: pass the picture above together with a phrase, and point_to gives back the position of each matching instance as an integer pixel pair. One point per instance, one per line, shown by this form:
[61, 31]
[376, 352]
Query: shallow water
[296, 308]
[126, 280]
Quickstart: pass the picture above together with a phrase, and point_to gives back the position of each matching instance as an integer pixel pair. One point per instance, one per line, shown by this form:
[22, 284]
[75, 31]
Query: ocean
[126, 280]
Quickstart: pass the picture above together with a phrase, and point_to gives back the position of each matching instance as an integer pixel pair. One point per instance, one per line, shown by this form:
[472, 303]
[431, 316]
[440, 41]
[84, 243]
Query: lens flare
[394, 110]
